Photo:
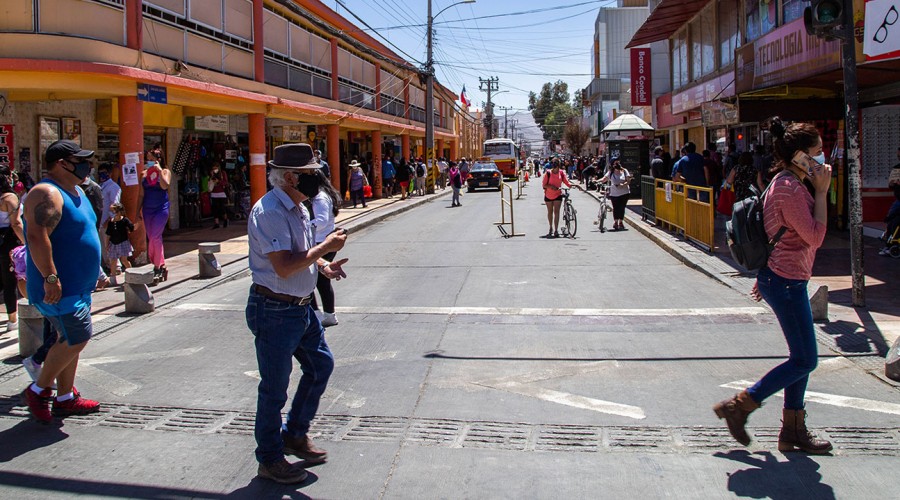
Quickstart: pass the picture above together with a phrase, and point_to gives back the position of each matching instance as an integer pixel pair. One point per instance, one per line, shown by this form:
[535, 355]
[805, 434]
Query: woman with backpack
[789, 208]
[455, 183]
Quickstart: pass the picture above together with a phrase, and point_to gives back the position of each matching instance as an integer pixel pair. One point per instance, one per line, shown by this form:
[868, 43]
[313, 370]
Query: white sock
[34, 387]
[65, 397]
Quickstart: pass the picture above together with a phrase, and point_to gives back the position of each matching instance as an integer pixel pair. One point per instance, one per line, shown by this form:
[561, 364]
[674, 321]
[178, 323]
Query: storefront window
[729, 34]
[761, 16]
[793, 9]
[703, 44]
[679, 60]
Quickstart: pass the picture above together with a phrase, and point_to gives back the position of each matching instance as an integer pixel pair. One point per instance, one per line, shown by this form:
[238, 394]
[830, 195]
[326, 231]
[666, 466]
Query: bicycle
[569, 215]
[605, 207]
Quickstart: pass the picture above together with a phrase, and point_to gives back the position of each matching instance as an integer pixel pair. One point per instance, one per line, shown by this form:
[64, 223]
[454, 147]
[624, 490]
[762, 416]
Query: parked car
[484, 174]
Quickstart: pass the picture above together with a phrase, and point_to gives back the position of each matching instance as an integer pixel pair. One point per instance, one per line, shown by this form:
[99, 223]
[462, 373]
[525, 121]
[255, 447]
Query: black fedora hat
[294, 157]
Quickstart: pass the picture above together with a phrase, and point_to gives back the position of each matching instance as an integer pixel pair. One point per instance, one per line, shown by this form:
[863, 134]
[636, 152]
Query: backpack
[420, 170]
[746, 232]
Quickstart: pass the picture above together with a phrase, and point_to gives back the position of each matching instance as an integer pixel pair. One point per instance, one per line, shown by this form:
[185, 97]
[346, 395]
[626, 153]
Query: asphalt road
[470, 366]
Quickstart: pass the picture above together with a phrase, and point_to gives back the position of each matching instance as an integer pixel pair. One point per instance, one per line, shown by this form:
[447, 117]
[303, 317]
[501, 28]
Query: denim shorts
[74, 327]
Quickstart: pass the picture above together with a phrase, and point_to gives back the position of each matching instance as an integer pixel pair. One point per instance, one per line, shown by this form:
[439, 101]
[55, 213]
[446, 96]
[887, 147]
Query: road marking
[118, 385]
[512, 311]
[523, 385]
[378, 356]
[832, 399]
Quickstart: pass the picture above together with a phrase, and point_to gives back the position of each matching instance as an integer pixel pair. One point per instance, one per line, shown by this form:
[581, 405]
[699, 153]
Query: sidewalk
[181, 248]
[853, 331]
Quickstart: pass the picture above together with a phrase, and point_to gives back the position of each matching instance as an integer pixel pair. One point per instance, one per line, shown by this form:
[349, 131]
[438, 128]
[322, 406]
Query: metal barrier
[686, 210]
[648, 199]
[520, 185]
[512, 219]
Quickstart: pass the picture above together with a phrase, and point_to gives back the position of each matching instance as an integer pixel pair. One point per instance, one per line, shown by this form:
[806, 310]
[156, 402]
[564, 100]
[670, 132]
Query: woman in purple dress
[154, 203]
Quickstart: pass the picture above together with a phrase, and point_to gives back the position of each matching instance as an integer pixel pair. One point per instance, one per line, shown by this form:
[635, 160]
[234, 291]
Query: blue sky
[524, 51]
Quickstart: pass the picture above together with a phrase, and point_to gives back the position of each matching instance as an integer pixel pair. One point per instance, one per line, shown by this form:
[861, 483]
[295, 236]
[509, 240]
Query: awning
[627, 122]
[665, 20]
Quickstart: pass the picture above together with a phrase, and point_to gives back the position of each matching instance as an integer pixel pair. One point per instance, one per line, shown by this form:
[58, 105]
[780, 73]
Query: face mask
[81, 171]
[151, 164]
[308, 185]
[104, 176]
[820, 158]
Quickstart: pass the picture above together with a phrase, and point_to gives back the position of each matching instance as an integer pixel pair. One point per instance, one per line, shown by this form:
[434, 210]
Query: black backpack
[746, 232]
[420, 170]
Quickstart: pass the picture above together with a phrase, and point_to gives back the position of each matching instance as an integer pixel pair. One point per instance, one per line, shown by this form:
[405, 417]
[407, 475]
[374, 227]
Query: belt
[282, 297]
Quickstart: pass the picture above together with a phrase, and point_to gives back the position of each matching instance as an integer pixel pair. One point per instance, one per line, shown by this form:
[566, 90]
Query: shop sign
[881, 33]
[152, 93]
[710, 90]
[641, 79]
[289, 133]
[211, 123]
[664, 116]
[718, 113]
[788, 54]
[744, 58]
[6, 146]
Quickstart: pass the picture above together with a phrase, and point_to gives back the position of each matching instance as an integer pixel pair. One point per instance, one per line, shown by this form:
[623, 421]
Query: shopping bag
[367, 191]
[726, 202]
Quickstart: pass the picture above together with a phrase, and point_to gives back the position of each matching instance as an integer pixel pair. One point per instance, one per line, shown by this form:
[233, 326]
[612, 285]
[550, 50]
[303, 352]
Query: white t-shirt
[618, 178]
[323, 216]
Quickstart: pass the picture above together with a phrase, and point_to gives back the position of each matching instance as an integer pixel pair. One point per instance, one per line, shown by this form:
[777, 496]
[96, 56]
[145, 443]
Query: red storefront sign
[710, 90]
[641, 78]
[664, 116]
[788, 54]
[6, 146]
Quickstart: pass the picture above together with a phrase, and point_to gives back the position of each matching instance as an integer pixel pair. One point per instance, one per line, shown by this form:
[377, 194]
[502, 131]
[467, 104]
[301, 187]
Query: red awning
[665, 20]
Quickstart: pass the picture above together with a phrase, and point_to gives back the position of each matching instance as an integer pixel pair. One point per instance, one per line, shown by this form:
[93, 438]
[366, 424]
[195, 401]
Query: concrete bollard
[138, 298]
[818, 301]
[31, 328]
[209, 266]
[891, 362]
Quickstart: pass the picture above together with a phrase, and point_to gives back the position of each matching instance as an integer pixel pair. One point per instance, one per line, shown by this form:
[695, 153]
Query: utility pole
[492, 84]
[505, 121]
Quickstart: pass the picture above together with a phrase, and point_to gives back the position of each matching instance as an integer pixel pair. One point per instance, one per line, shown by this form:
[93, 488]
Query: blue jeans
[284, 331]
[455, 200]
[790, 302]
[893, 219]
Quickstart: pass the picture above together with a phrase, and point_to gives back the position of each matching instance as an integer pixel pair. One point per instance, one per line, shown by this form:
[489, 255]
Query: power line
[376, 32]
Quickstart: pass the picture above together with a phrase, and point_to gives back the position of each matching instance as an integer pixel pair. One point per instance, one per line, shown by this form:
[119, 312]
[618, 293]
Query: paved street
[468, 365]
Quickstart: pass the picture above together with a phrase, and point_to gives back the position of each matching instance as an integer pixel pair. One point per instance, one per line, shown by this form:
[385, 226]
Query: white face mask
[820, 158]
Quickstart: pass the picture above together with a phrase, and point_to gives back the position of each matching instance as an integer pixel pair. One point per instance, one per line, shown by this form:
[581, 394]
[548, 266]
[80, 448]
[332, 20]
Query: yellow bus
[505, 154]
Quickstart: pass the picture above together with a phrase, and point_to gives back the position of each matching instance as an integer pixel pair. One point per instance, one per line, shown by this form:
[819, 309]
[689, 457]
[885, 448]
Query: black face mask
[308, 185]
[81, 171]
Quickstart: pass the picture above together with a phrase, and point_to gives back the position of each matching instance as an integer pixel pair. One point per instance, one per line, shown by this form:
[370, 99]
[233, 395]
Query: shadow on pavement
[27, 436]
[799, 477]
[263, 488]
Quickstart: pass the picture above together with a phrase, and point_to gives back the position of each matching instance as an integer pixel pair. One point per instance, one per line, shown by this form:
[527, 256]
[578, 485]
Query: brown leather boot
[304, 448]
[735, 412]
[794, 434]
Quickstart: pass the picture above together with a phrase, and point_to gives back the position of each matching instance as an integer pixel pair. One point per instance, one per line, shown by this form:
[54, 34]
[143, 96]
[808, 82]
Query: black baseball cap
[63, 149]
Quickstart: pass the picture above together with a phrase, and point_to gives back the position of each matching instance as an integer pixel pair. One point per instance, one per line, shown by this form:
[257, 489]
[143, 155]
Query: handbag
[726, 201]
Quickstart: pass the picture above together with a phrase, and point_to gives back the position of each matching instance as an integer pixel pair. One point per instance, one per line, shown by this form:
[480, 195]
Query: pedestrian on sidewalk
[118, 232]
[218, 187]
[284, 264]
[420, 179]
[402, 177]
[153, 199]
[455, 184]
[619, 189]
[387, 176]
[553, 197]
[61, 267]
[782, 283]
[11, 236]
[357, 183]
[892, 219]
[443, 167]
[325, 207]
[744, 176]
[112, 193]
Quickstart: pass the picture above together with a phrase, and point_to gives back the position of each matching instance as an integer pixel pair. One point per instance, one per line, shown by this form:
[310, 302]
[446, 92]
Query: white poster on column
[882, 33]
[130, 174]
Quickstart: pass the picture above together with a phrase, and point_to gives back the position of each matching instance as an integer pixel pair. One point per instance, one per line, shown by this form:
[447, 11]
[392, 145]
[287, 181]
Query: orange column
[333, 140]
[134, 20]
[404, 146]
[439, 150]
[257, 139]
[131, 140]
[376, 163]
[258, 49]
[377, 86]
[335, 88]
[406, 98]
[454, 150]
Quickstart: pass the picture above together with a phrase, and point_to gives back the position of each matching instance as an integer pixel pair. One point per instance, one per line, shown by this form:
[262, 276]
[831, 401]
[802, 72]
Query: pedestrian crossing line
[512, 311]
[832, 399]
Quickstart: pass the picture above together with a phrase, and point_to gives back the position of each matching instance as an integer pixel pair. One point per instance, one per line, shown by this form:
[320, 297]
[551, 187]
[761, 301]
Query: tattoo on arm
[46, 214]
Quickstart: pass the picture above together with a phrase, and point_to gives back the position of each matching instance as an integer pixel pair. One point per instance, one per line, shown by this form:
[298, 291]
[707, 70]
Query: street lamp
[429, 96]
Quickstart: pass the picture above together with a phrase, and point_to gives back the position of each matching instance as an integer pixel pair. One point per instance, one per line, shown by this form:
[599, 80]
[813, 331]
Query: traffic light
[823, 18]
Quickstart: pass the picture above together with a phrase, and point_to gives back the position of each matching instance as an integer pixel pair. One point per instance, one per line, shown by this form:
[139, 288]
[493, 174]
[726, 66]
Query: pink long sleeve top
[789, 204]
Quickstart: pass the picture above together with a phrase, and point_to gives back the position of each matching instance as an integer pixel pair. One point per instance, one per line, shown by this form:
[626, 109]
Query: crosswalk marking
[832, 399]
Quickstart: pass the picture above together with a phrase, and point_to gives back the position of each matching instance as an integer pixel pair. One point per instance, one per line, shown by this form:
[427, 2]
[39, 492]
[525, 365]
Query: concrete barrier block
[891, 362]
[139, 275]
[213, 247]
[31, 328]
[818, 301]
[138, 299]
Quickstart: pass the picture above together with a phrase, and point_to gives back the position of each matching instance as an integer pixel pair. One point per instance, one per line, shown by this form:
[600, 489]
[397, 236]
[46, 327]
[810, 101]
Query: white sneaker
[329, 319]
[12, 325]
[885, 251]
[33, 369]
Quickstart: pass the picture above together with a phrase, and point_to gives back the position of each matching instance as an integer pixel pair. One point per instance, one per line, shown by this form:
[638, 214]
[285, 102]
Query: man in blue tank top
[61, 269]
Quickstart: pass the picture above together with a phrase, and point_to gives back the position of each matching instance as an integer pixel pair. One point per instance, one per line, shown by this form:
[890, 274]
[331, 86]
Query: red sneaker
[75, 406]
[39, 404]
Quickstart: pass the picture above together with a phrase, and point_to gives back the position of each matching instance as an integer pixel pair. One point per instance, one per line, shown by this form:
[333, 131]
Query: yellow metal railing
[686, 210]
[504, 202]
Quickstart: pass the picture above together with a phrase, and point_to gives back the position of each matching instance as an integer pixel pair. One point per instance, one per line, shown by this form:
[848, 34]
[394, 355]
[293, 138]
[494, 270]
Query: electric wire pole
[489, 85]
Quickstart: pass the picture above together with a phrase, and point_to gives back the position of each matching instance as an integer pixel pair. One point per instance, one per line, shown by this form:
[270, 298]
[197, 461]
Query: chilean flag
[463, 98]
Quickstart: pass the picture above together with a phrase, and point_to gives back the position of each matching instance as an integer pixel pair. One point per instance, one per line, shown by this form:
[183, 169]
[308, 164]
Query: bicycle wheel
[602, 223]
[572, 222]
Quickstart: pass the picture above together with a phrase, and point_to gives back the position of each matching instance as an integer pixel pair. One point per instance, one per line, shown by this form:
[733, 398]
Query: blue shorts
[74, 327]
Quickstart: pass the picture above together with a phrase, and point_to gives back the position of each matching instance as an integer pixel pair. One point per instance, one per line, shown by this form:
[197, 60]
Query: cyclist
[553, 196]
[618, 177]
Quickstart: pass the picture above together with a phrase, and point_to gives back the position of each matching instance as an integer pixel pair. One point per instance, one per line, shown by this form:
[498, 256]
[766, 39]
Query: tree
[542, 105]
[578, 102]
[576, 134]
[555, 122]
